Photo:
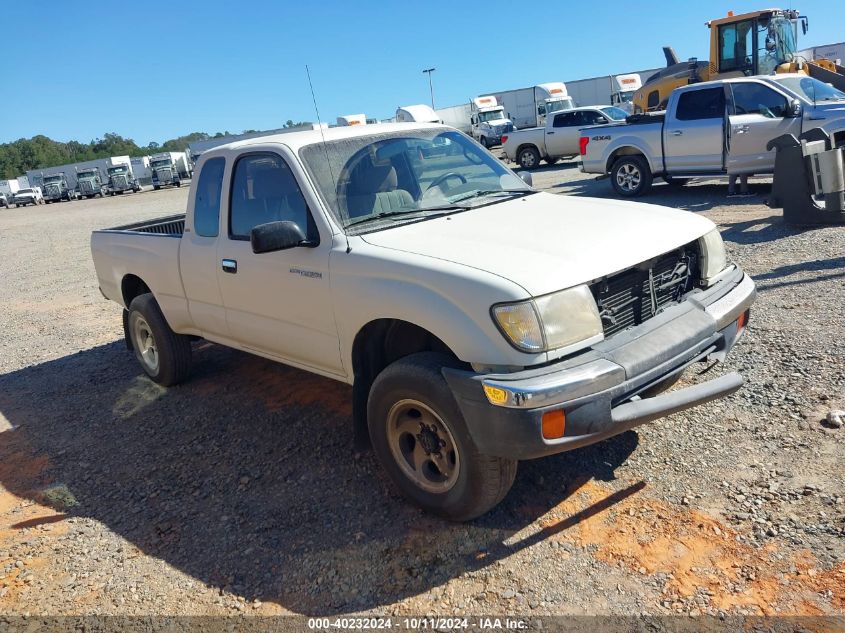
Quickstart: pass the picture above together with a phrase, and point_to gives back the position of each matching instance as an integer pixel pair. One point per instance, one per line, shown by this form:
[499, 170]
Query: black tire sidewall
[645, 178]
[423, 382]
[166, 341]
[529, 150]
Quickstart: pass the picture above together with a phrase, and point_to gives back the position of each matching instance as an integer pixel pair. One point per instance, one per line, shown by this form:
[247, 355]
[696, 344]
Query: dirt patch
[697, 554]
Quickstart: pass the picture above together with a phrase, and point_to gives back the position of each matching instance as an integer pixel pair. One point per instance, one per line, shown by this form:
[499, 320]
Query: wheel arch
[132, 286]
[625, 150]
[375, 346]
[526, 145]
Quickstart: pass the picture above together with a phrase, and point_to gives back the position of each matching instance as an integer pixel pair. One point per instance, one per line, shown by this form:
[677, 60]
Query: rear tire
[420, 438]
[528, 158]
[551, 160]
[630, 176]
[164, 355]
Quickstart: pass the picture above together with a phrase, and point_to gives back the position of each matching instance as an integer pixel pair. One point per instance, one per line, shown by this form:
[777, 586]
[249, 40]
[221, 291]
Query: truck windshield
[160, 163]
[50, 179]
[117, 170]
[405, 175]
[776, 43]
[20, 191]
[86, 174]
[617, 114]
[811, 89]
[557, 106]
[494, 115]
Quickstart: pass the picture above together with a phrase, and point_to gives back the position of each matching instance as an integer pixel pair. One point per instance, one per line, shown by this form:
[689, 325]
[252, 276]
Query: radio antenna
[325, 147]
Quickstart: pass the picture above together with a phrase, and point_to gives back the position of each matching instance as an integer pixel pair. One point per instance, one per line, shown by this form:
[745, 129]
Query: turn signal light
[496, 395]
[554, 424]
[582, 145]
[742, 321]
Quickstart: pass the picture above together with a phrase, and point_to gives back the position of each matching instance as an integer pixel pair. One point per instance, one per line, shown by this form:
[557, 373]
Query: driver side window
[754, 98]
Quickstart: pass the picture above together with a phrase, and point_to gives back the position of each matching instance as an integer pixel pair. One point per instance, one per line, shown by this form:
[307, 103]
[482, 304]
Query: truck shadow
[245, 478]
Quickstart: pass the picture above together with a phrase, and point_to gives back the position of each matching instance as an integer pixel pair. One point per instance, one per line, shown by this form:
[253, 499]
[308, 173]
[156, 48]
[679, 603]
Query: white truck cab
[488, 121]
[419, 113]
[623, 94]
[351, 119]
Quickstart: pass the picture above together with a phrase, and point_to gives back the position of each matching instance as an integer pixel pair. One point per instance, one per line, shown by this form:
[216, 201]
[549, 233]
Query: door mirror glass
[795, 110]
[276, 236]
[526, 177]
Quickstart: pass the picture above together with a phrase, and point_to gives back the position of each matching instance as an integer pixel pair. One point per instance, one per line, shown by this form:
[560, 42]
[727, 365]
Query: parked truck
[528, 107]
[55, 188]
[715, 128]
[559, 138]
[169, 168]
[478, 321]
[122, 179]
[89, 183]
[488, 121]
[617, 90]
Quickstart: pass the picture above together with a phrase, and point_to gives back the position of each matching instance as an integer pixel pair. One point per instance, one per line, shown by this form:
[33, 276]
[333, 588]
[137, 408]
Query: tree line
[41, 152]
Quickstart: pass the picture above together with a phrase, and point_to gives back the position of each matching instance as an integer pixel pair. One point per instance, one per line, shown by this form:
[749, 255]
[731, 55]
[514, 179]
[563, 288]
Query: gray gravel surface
[239, 491]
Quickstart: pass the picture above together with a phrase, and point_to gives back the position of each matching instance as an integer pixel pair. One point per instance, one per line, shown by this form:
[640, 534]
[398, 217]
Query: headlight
[551, 322]
[714, 259]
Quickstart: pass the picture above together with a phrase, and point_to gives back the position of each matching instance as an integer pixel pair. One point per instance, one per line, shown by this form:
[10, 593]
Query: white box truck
[528, 107]
[488, 121]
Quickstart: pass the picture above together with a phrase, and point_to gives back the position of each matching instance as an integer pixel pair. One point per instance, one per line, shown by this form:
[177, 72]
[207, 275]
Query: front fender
[448, 300]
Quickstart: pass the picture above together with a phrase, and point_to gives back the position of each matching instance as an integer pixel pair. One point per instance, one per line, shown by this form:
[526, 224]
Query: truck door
[277, 303]
[757, 114]
[694, 132]
[198, 252]
[562, 139]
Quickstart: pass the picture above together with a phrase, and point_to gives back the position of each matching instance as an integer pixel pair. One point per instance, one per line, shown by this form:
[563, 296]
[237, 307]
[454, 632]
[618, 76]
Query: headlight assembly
[559, 320]
[714, 259]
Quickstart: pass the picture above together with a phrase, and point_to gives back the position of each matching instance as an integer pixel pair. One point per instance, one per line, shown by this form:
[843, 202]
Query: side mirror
[276, 236]
[795, 109]
[601, 120]
[526, 177]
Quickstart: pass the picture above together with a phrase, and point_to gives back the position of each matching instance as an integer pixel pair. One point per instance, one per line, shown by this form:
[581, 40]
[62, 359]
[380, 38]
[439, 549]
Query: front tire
[420, 438]
[630, 176]
[164, 355]
[528, 158]
[551, 160]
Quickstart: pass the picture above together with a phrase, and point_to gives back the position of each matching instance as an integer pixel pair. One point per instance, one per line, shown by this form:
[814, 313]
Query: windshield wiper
[411, 213]
[489, 192]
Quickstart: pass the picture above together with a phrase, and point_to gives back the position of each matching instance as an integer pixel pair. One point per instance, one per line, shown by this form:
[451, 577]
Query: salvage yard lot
[240, 492]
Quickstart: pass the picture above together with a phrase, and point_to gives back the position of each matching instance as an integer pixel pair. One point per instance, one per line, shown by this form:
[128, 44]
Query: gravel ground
[239, 492]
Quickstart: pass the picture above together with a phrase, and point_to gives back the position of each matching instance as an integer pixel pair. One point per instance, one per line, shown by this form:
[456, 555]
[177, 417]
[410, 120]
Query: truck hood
[547, 242]
[829, 110]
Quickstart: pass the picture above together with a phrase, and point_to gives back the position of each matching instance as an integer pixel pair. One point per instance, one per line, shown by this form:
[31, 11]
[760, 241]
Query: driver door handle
[549, 132]
[677, 133]
[230, 266]
[741, 129]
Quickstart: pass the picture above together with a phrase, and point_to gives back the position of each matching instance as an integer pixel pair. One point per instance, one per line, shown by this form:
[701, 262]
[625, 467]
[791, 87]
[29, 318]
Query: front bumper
[598, 390]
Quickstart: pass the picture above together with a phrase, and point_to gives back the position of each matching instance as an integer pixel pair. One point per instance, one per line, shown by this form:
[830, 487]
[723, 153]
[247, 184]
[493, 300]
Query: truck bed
[171, 225]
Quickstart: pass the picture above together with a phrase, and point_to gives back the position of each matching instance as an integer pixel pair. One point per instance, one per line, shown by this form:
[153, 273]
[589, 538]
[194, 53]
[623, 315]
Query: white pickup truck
[560, 136]
[712, 129]
[480, 322]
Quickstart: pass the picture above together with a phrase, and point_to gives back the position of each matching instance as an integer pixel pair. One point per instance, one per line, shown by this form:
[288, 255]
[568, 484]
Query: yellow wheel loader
[756, 43]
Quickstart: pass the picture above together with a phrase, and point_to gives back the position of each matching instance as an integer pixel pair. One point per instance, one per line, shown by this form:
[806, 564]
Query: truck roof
[296, 140]
[732, 80]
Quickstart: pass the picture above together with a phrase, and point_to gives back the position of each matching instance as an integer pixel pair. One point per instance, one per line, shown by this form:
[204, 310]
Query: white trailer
[352, 119]
[607, 90]
[457, 116]
[420, 113]
[527, 107]
[9, 187]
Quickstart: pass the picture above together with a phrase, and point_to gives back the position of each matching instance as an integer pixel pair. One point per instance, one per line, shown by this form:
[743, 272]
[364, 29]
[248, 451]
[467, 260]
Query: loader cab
[754, 43]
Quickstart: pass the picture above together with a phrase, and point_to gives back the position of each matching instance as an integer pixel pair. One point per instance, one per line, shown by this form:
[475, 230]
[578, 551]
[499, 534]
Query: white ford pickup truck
[480, 322]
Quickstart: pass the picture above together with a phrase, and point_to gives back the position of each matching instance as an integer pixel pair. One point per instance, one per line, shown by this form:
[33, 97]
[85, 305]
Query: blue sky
[153, 71]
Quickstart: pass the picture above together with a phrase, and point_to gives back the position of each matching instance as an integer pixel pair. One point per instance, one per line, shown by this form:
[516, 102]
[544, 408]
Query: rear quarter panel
[152, 258]
[605, 140]
[534, 136]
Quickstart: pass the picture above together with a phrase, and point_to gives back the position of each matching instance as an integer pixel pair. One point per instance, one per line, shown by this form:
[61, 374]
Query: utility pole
[428, 71]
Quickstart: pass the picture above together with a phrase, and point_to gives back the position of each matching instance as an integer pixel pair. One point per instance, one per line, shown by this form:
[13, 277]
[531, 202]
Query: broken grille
[635, 295]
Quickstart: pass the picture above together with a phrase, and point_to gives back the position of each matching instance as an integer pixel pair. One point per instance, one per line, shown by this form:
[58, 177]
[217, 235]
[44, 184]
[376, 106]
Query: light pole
[430, 87]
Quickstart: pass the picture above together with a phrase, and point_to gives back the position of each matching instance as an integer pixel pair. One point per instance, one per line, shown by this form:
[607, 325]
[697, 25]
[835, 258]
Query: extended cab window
[708, 103]
[264, 190]
[207, 202]
[754, 98]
